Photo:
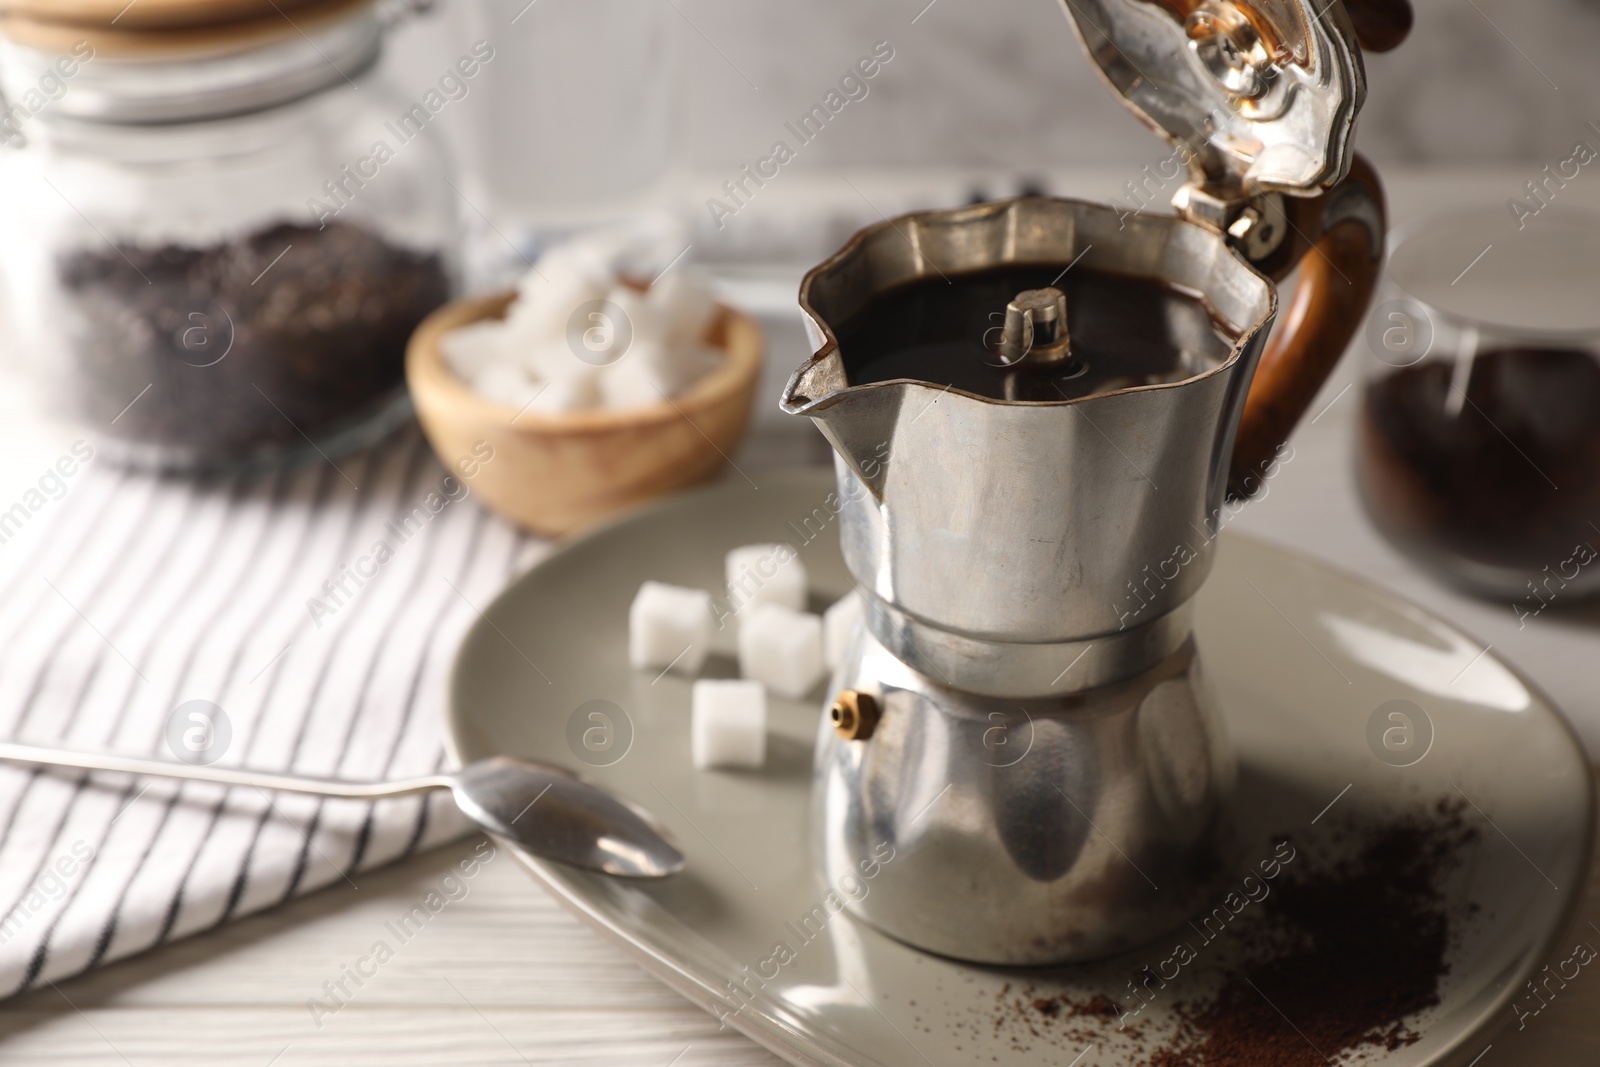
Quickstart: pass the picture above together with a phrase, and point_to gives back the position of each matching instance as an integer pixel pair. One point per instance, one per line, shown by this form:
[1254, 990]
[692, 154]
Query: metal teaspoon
[548, 811]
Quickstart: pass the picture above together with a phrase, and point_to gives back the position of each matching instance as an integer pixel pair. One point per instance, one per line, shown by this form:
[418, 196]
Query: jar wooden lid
[156, 27]
[150, 14]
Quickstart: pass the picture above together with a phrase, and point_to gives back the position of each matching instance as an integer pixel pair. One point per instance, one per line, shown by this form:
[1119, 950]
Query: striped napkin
[148, 605]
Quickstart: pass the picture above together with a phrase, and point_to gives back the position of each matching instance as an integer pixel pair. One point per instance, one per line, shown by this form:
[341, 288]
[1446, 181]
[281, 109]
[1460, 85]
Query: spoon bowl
[559, 816]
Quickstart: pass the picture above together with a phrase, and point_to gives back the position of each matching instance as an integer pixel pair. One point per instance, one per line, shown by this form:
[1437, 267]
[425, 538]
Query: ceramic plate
[1301, 657]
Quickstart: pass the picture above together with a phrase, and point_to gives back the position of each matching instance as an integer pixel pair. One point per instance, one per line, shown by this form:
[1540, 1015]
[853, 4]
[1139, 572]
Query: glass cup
[1478, 453]
[578, 125]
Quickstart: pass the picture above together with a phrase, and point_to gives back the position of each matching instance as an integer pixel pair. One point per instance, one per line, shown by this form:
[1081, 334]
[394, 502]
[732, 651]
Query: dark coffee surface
[1508, 476]
[1125, 331]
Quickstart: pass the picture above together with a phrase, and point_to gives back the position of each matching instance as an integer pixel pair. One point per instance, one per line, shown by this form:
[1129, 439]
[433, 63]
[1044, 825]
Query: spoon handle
[329, 787]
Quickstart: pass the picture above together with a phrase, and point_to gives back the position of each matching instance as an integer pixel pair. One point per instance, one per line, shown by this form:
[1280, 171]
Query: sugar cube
[728, 724]
[641, 316]
[574, 316]
[474, 348]
[838, 623]
[629, 382]
[687, 306]
[676, 366]
[781, 648]
[766, 574]
[507, 385]
[577, 391]
[669, 626]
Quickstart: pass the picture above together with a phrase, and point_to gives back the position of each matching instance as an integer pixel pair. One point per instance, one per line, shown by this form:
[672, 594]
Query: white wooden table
[503, 976]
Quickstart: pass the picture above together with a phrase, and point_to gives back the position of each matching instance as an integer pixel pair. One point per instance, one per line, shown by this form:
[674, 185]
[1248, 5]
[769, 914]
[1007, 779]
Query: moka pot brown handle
[1336, 239]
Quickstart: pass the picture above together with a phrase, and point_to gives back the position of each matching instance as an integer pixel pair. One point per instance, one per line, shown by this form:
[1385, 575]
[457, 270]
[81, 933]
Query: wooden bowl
[554, 473]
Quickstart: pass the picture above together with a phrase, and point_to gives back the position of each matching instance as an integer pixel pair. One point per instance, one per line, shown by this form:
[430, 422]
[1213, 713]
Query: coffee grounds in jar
[1506, 475]
[243, 351]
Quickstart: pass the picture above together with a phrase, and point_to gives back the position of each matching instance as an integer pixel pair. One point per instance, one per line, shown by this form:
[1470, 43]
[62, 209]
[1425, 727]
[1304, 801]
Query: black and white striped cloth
[144, 594]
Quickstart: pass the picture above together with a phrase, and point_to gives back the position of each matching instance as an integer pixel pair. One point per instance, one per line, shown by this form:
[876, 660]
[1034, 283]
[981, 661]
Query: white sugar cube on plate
[728, 726]
[838, 623]
[766, 574]
[669, 625]
[781, 648]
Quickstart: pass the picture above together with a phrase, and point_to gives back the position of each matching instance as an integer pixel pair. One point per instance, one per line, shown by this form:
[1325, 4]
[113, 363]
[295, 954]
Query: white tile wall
[994, 85]
[986, 81]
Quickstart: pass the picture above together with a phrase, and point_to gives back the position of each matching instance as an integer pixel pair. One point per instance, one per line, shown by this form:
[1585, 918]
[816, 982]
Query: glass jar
[1478, 453]
[219, 238]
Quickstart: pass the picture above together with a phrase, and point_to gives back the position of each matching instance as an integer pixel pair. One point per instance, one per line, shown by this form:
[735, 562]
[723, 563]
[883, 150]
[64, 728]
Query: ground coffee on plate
[1337, 961]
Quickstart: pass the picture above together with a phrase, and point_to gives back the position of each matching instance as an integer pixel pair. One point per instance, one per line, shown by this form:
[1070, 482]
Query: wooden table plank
[502, 975]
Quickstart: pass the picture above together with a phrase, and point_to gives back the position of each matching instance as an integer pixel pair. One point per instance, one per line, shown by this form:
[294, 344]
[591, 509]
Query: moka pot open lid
[1261, 95]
